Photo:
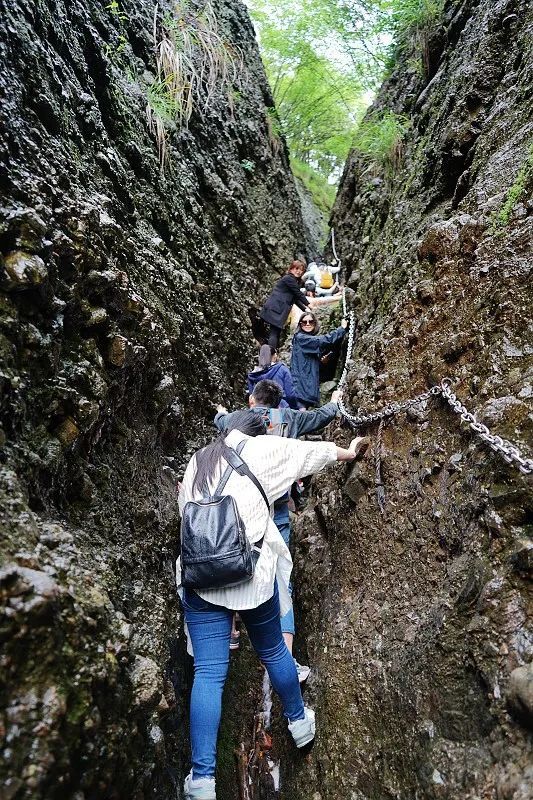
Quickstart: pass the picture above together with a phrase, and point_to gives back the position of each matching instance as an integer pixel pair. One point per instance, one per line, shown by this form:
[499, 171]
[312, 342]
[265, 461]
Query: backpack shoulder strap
[227, 472]
[236, 463]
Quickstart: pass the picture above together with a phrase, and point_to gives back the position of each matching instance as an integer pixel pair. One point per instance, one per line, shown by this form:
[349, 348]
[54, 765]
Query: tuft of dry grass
[195, 66]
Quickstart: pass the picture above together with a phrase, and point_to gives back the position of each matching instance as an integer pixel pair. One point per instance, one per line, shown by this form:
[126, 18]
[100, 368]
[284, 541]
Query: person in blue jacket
[270, 369]
[286, 293]
[307, 347]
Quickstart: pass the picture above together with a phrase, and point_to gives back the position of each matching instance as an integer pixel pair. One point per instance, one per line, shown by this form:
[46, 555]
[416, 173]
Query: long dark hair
[208, 458]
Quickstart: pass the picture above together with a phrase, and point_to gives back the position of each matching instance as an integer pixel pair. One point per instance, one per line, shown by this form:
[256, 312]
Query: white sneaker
[199, 789]
[303, 730]
[303, 671]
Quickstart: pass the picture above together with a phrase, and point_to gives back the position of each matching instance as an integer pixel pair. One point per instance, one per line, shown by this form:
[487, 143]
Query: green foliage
[248, 165]
[379, 140]
[318, 102]
[114, 8]
[525, 175]
[275, 129]
[410, 22]
[161, 112]
[195, 65]
[114, 51]
[321, 59]
[322, 192]
[410, 15]
[318, 109]
[274, 122]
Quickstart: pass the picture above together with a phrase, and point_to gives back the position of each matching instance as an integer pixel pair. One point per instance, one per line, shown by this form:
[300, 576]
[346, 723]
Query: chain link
[509, 452]
[344, 302]
[333, 245]
[380, 488]
[349, 349]
[339, 264]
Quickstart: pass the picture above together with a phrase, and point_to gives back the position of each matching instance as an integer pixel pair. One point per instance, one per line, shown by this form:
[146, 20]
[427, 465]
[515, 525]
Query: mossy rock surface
[124, 297]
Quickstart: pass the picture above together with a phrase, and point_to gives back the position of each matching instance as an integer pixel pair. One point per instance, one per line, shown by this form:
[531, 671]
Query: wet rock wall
[418, 620]
[123, 316]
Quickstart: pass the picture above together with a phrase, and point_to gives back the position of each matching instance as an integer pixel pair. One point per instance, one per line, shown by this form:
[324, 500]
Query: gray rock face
[315, 223]
[122, 317]
[520, 694]
[419, 622]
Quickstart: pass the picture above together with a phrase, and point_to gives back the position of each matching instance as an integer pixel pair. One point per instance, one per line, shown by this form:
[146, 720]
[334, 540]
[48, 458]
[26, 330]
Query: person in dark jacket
[284, 295]
[307, 347]
[299, 423]
[270, 369]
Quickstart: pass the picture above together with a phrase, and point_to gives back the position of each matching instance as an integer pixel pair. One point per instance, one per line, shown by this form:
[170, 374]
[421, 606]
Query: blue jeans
[210, 628]
[282, 522]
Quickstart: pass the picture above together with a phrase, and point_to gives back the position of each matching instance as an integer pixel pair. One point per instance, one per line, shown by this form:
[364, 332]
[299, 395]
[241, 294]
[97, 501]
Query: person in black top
[284, 295]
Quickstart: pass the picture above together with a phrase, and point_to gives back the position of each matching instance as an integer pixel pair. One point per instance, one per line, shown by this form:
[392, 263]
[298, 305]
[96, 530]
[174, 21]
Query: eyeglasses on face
[307, 322]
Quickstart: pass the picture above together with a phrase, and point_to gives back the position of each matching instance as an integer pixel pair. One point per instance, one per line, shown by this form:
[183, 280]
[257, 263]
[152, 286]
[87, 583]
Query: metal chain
[333, 245]
[339, 264]
[349, 349]
[509, 452]
[380, 488]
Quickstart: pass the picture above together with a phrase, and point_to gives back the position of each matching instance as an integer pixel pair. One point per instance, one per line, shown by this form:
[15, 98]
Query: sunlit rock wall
[123, 316]
[418, 621]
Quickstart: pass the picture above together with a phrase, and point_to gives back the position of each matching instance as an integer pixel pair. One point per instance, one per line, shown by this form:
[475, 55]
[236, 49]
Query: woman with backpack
[271, 464]
[286, 293]
[307, 349]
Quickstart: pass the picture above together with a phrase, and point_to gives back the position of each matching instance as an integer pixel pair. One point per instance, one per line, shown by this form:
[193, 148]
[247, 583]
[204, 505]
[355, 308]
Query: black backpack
[215, 551]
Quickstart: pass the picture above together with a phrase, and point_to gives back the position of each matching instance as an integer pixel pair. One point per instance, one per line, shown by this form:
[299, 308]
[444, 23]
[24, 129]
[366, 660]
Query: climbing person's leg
[283, 524]
[235, 638]
[200, 788]
[264, 629]
[209, 628]
[259, 326]
[297, 496]
[273, 336]
[328, 292]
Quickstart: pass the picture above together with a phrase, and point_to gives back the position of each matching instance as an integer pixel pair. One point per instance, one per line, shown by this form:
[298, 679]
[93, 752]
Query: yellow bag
[326, 279]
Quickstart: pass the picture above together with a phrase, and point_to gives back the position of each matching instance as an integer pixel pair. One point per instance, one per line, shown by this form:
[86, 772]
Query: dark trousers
[273, 336]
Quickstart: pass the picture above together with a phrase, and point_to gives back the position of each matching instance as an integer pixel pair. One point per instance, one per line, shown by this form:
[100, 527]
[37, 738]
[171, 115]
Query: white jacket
[276, 462]
[315, 273]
